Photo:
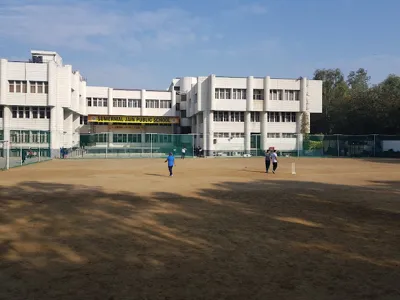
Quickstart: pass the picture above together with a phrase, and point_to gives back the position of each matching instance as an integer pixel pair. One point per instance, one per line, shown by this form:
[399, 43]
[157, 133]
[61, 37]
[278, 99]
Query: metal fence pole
[338, 147]
[151, 145]
[192, 145]
[20, 145]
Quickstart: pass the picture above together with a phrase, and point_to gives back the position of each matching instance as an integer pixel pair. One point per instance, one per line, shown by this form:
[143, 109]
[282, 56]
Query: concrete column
[247, 132]
[52, 83]
[267, 88]
[211, 104]
[198, 120]
[249, 94]
[143, 103]
[210, 133]
[110, 101]
[264, 130]
[205, 136]
[3, 81]
[303, 94]
[199, 95]
[173, 102]
[54, 140]
[6, 122]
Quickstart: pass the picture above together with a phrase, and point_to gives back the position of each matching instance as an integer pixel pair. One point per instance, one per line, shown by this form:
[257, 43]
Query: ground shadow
[256, 240]
[381, 160]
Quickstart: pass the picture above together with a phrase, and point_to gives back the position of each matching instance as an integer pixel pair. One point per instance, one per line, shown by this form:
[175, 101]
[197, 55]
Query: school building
[46, 104]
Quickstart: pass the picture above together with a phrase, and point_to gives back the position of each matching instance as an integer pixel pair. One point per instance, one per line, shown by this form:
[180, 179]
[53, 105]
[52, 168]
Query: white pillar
[143, 103]
[110, 101]
[210, 133]
[264, 130]
[173, 102]
[267, 88]
[247, 132]
[303, 94]
[3, 81]
[249, 94]
[211, 104]
[205, 136]
[6, 122]
[52, 83]
[198, 122]
[199, 95]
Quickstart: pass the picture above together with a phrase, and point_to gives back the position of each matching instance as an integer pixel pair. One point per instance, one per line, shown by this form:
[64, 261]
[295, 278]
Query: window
[42, 112]
[1, 114]
[152, 104]
[165, 104]
[222, 93]
[273, 135]
[239, 94]
[24, 87]
[39, 87]
[236, 135]
[101, 137]
[21, 112]
[14, 111]
[293, 115]
[255, 116]
[292, 95]
[275, 94]
[258, 94]
[17, 86]
[274, 117]
[119, 102]
[35, 111]
[237, 116]
[11, 86]
[89, 101]
[183, 113]
[134, 138]
[98, 102]
[83, 120]
[178, 106]
[134, 103]
[288, 135]
[27, 136]
[221, 116]
[221, 135]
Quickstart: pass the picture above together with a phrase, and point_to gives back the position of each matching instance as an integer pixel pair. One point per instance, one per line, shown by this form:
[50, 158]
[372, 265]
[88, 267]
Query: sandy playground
[219, 229]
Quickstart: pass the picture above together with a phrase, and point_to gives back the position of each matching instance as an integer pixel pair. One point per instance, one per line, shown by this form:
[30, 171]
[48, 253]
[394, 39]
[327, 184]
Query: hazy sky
[146, 43]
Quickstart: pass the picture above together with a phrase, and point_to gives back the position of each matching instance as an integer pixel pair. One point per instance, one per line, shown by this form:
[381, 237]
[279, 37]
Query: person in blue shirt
[171, 163]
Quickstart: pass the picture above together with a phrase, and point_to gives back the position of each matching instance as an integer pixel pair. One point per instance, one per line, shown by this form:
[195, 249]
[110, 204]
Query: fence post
[192, 145]
[374, 145]
[20, 146]
[39, 149]
[338, 147]
[108, 139]
[151, 145]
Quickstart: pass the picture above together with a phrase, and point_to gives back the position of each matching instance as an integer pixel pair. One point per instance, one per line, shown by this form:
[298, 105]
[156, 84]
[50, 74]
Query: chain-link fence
[32, 146]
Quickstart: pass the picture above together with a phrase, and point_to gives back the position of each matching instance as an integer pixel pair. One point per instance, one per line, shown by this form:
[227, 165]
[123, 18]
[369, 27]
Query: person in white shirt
[183, 153]
[274, 159]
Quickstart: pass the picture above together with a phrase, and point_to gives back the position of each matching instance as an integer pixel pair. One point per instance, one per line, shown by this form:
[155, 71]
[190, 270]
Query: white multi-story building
[45, 103]
[231, 113]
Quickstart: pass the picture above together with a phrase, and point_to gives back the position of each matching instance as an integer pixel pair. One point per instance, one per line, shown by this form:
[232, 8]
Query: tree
[334, 91]
[359, 80]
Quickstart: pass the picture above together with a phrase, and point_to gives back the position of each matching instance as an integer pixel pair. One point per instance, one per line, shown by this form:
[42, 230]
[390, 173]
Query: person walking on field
[267, 161]
[183, 153]
[274, 158]
[171, 163]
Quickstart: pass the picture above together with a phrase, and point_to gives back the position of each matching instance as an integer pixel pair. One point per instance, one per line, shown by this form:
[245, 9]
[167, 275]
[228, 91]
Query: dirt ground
[218, 229]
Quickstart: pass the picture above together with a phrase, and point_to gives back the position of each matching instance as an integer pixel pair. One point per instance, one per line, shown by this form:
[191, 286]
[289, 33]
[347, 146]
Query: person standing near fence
[274, 158]
[267, 160]
[171, 163]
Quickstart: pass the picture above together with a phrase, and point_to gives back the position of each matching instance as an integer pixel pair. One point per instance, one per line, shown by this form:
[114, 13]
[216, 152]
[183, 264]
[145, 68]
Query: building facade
[46, 104]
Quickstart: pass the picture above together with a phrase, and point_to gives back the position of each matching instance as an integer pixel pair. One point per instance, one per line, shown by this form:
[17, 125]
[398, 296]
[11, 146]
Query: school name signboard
[132, 119]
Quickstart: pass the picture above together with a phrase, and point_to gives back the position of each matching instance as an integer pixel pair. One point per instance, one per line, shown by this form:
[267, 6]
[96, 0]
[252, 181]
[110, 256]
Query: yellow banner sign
[132, 119]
